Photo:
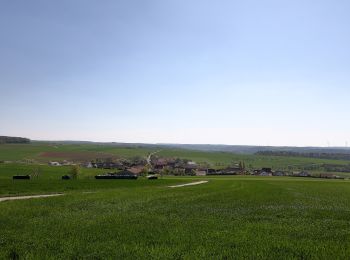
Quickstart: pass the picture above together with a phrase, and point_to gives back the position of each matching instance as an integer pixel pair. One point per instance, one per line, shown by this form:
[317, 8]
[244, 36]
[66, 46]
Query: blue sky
[231, 72]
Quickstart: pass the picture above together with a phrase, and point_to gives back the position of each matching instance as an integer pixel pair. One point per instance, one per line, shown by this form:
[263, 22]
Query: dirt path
[30, 197]
[188, 184]
[150, 155]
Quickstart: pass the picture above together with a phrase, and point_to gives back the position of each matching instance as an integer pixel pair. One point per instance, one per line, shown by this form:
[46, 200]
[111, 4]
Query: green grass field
[228, 217]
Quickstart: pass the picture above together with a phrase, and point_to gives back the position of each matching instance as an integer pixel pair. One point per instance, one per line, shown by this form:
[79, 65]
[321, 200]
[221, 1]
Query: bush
[75, 172]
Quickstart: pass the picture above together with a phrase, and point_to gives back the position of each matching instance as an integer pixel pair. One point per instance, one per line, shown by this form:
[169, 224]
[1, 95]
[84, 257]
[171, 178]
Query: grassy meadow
[228, 217]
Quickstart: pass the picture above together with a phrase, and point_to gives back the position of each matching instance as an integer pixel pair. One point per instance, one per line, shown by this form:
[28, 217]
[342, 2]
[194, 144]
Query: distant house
[328, 176]
[88, 165]
[302, 174]
[263, 173]
[279, 173]
[211, 171]
[66, 163]
[201, 172]
[231, 171]
[171, 163]
[269, 170]
[54, 164]
[225, 171]
[160, 164]
[190, 168]
[136, 169]
[94, 165]
[110, 165]
[256, 172]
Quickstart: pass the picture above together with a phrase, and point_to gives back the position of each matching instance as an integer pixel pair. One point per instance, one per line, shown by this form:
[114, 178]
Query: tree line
[13, 140]
[335, 156]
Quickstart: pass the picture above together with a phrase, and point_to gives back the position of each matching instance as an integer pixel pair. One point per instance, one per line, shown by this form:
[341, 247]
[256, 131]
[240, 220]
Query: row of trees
[335, 156]
[13, 140]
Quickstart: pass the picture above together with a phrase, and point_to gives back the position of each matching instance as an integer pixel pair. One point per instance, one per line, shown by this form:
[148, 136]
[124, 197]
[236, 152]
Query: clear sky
[176, 71]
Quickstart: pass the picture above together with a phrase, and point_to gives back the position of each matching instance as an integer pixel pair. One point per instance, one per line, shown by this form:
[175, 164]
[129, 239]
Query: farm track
[30, 197]
[188, 184]
[150, 156]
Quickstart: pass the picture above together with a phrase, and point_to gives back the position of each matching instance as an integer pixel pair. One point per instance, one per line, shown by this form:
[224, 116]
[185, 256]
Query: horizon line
[216, 144]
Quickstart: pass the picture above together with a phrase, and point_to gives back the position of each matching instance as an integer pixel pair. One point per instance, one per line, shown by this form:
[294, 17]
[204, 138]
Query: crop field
[228, 217]
[44, 152]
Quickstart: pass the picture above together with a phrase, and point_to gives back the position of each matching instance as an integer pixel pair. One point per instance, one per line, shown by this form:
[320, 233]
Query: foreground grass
[226, 218]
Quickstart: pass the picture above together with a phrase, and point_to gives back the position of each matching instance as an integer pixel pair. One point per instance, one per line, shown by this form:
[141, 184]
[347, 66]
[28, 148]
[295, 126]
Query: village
[160, 166]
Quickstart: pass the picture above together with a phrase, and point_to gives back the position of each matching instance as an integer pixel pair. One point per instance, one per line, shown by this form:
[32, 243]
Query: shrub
[75, 172]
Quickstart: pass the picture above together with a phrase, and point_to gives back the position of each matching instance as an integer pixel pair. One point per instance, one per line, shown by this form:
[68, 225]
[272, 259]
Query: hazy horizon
[192, 72]
[195, 144]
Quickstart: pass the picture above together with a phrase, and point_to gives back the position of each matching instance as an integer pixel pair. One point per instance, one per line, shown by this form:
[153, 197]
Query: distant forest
[335, 156]
[13, 140]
